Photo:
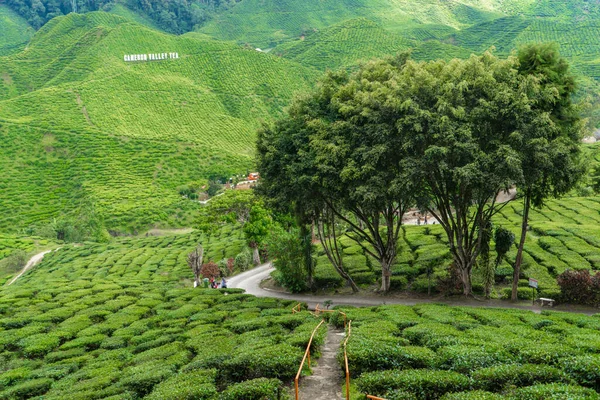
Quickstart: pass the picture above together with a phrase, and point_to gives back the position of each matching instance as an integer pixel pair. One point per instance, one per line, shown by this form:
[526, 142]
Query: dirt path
[250, 282]
[32, 261]
[325, 383]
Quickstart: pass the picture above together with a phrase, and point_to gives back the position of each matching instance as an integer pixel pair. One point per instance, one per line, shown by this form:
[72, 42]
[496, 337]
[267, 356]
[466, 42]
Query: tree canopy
[447, 137]
[338, 150]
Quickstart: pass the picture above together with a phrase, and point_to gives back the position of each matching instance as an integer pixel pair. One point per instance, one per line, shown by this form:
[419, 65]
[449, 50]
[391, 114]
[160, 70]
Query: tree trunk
[517, 269]
[196, 281]
[386, 273]
[256, 255]
[308, 253]
[465, 277]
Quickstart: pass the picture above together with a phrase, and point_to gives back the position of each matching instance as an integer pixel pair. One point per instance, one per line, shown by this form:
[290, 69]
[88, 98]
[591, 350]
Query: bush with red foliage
[580, 287]
[210, 270]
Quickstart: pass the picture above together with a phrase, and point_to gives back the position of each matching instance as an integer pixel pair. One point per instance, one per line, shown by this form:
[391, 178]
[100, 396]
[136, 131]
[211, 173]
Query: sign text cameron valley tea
[150, 57]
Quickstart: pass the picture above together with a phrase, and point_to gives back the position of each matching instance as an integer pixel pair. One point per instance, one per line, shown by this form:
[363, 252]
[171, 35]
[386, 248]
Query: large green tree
[549, 136]
[459, 118]
[339, 149]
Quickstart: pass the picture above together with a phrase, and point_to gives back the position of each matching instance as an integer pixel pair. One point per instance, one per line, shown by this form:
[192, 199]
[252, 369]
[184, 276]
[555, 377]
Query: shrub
[40, 344]
[276, 361]
[580, 287]
[523, 293]
[142, 378]
[210, 270]
[27, 389]
[426, 384]
[243, 260]
[465, 359]
[15, 261]
[288, 258]
[372, 355]
[194, 385]
[400, 395]
[432, 334]
[255, 389]
[554, 391]
[498, 377]
[472, 395]
[584, 369]
[363, 278]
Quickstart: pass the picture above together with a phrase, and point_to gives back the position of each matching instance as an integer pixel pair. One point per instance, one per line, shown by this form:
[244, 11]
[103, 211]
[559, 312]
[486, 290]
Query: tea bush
[140, 329]
[436, 351]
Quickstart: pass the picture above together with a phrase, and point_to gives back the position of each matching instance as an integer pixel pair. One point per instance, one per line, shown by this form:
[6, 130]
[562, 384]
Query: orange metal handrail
[306, 354]
[346, 360]
[297, 308]
[348, 369]
[317, 311]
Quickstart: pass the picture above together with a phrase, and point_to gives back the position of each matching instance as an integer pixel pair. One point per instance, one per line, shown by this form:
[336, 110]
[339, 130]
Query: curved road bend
[250, 282]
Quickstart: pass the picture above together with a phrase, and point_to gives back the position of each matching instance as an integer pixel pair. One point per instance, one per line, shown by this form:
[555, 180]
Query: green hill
[15, 31]
[266, 23]
[77, 122]
[343, 44]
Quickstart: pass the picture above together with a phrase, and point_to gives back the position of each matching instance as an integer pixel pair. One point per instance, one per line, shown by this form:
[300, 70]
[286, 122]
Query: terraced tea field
[16, 32]
[79, 124]
[11, 245]
[122, 320]
[453, 353]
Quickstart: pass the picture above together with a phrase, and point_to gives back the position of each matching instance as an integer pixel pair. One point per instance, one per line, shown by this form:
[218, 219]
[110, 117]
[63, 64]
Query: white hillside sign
[150, 57]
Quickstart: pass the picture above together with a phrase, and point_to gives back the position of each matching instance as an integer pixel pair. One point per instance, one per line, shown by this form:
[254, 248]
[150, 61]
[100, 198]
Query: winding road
[250, 282]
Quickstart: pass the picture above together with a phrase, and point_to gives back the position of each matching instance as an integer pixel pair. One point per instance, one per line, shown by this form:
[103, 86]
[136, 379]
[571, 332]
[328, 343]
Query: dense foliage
[429, 351]
[172, 16]
[123, 320]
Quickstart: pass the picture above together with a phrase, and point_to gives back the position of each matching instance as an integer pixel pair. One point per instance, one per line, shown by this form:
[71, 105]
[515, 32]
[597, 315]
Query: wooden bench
[543, 301]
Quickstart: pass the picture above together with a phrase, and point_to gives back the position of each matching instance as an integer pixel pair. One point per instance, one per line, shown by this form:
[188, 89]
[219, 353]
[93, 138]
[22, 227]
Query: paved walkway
[250, 282]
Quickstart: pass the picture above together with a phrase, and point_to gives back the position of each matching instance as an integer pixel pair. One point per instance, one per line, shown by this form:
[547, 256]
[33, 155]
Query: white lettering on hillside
[150, 57]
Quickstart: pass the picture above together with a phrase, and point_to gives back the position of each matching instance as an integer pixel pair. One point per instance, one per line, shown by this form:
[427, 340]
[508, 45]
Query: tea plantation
[78, 124]
[16, 32]
[122, 321]
[454, 353]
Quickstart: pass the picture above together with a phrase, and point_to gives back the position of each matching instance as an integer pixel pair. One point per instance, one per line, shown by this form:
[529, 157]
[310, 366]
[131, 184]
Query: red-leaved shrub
[210, 270]
[580, 287]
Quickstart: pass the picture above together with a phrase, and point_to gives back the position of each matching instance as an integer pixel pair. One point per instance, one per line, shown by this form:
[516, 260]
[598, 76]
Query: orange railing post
[317, 311]
[346, 361]
[306, 354]
[297, 308]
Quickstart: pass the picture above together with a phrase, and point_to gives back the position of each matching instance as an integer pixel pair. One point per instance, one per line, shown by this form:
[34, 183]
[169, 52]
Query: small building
[253, 176]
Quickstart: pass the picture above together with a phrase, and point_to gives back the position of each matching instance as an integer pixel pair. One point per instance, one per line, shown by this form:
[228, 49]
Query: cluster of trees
[446, 137]
[175, 16]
